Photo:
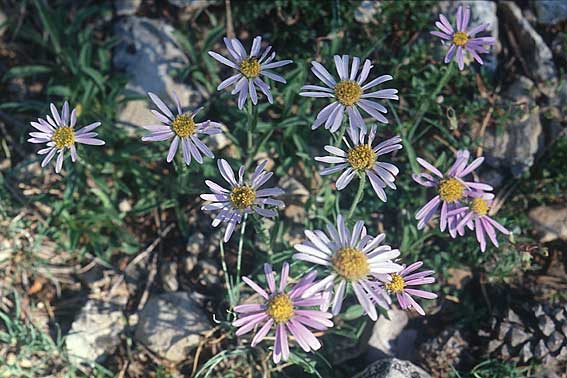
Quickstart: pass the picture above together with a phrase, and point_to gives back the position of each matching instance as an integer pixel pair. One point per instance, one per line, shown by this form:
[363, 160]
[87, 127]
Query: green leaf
[25, 71]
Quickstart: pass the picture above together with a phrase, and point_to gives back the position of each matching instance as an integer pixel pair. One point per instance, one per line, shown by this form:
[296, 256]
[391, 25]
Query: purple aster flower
[242, 198]
[352, 260]
[363, 157]
[461, 39]
[399, 284]
[59, 134]
[474, 215]
[288, 311]
[183, 129]
[451, 188]
[348, 94]
[250, 68]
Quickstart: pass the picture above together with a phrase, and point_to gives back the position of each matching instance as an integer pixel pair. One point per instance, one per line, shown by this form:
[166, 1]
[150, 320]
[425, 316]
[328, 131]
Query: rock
[554, 342]
[195, 243]
[518, 336]
[171, 324]
[550, 12]
[148, 51]
[2, 21]
[219, 141]
[535, 52]
[545, 324]
[95, 332]
[539, 349]
[443, 353]
[126, 7]
[389, 338]
[516, 146]
[168, 274]
[550, 222]
[482, 12]
[526, 352]
[191, 5]
[392, 368]
[366, 11]
[209, 273]
[459, 277]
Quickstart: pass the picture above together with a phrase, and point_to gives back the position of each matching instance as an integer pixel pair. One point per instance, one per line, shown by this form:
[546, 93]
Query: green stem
[426, 104]
[252, 123]
[341, 134]
[240, 247]
[359, 194]
[226, 275]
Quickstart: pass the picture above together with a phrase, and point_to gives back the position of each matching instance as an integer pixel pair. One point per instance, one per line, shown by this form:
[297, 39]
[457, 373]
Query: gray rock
[195, 243]
[482, 12]
[554, 342]
[171, 324]
[526, 352]
[168, 274]
[366, 11]
[545, 324]
[550, 222]
[518, 336]
[516, 147]
[3, 19]
[393, 368]
[193, 4]
[148, 51]
[535, 52]
[390, 338]
[95, 332]
[126, 7]
[550, 12]
[539, 349]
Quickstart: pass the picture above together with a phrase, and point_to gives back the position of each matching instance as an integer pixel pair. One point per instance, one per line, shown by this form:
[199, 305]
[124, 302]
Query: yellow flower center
[361, 157]
[250, 68]
[351, 263]
[183, 125]
[348, 92]
[396, 285]
[242, 196]
[479, 206]
[451, 190]
[460, 38]
[63, 136]
[280, 308]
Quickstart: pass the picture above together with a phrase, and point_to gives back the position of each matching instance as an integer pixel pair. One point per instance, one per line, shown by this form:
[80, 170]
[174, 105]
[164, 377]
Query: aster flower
[59, 134]
[183, 129]
[348, 94]
[462, 40]
[288, 311]
[242, 198]
[352, 260]
[474, 215]
[363, 157]
[451, 188]
[399, 284]
[250, 68]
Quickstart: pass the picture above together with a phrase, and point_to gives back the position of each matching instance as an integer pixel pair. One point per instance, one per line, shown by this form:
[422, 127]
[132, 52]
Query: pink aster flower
[474, 215]
[363, 157]
[183, 129]
[59, 134]
[351, 259]
[400, 284]
[451, 188]
[461, 39]
[250, 68]
[348, 94]
[242, 197]
[288, 311]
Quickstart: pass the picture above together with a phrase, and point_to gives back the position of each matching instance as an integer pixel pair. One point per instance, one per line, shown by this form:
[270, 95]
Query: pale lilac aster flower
[348, 94]
[361, 156]
[351, 259]
[474, 215]
[242, 197]
[451, 188]
[183, 129]
[250, 68]
[288, 311]
[59, 134]
[461, 39]
[401, 284]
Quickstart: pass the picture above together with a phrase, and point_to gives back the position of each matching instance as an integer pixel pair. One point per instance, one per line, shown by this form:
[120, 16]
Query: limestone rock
[550, 12]
[550, 222]
[390, 338]
[392, 368]
[127, 7]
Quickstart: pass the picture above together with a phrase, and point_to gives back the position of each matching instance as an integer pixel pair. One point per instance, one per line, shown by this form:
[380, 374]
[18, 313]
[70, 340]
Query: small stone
[545, 324]
[386, 334]
[512, 317]
[550, 222]
[550, 12]
[554, 342]
[209, 274]
[171, 325]
[219, 141]
[392, 368]
[168, 274]
[189, 263]
[126, 7]
[562, 355]
[195, 243]
[518, 336]
[366, 11]
[504, 330]
[526, 352]
[493, 345]
[539, 349]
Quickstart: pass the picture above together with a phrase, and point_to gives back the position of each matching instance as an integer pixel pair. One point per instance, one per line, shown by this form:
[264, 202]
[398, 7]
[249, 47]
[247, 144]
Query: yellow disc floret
[351, 263]
[242, 196]
[250, 68]
[63, 136]
[280, 308]
[348, 92]
[460, 38]
[479, 206]
[451, 189]
[396, 285]
[183, 125]
[361, 157]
